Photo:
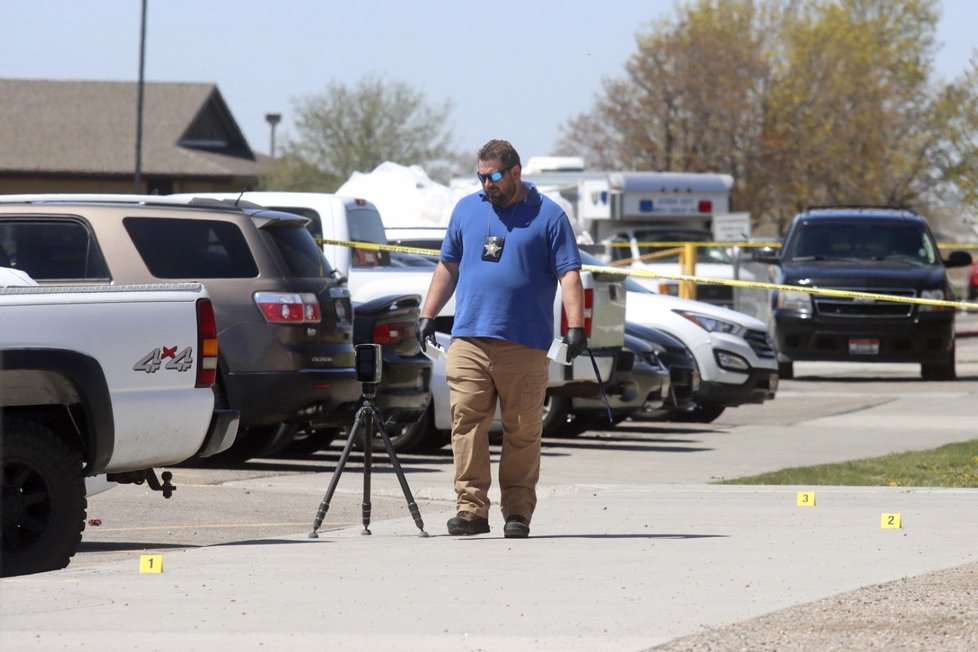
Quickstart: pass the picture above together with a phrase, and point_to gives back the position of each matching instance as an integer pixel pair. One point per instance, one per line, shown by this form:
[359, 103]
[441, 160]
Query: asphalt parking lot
[632, 545]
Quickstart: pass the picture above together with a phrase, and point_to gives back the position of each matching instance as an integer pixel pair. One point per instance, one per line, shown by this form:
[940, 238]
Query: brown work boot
[516, 527]
[467, 523]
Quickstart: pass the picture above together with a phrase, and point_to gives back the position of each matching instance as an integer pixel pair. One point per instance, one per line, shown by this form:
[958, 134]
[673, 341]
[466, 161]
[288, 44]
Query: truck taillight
[288, 307]
[588, 314]
[394, 332]
[705, 206]
[206, 344]
[342, 306]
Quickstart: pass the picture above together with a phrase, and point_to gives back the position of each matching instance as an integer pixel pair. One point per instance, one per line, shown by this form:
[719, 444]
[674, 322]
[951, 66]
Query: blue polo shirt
[512, 299]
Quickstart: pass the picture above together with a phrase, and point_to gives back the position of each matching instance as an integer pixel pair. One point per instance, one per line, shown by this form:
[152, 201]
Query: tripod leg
[412, 506]
[368, 444]
[324, 506]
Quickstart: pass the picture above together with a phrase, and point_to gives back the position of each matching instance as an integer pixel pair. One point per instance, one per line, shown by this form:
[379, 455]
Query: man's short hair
[502, 150]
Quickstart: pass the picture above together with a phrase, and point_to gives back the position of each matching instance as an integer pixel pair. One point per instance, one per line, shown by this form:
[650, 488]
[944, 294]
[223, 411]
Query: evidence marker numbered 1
[151, 563]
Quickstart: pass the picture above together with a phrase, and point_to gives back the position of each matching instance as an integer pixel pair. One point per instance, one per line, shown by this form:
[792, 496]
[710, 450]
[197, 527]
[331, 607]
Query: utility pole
[137, 178]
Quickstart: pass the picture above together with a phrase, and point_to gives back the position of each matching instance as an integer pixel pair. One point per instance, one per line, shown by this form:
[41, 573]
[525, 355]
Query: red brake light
[394, 332]
[206, 344]
[588, 314]
[288, 308]
[705, 206]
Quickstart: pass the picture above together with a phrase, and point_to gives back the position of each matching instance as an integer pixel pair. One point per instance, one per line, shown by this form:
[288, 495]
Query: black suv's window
[191, 249]
[315, 225]
[52, 250]
[299, 251]
[867, 240]
[361, 230]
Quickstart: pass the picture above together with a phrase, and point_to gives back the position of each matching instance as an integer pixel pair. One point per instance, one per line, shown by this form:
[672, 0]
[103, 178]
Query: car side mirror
[768, 255]
[958, 259]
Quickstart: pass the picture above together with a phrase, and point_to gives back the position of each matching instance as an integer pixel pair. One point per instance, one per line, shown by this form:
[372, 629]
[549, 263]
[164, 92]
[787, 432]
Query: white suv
[735, 353]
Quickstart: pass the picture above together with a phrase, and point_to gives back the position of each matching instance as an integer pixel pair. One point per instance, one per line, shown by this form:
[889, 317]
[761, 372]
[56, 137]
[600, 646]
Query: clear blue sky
[514, 70]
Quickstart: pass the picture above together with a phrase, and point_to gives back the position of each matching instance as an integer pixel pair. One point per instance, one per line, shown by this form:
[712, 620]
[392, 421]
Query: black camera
[369, 363]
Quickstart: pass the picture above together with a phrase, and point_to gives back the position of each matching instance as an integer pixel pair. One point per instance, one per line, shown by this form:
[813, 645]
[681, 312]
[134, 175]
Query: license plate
[864, 347]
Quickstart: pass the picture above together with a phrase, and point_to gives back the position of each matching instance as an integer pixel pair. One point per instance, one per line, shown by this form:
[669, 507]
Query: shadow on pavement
[598, 536]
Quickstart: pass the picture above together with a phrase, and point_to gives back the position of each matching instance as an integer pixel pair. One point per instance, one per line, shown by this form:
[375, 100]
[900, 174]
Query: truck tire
[44, 500]
[556, 416]
[943, 370]
[707, 413]
[308, 441]
[415, 436]
[786, 370]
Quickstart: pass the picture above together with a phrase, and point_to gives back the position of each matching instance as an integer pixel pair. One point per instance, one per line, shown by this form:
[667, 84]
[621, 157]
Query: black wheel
[943, 370]
[597, 421]
[700, 414]
[257, 441]
[786, 370]
[43, 500]
[309, 442]
[556, 415]
[413, 436]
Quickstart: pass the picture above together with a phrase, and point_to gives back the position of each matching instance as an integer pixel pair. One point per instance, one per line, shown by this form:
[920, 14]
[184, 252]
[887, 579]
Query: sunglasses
[493, 176]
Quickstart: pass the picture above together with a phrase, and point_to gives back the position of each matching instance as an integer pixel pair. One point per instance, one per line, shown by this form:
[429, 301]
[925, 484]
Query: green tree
[957, 154]
[355, 128]
[851, 109]
[803, 102]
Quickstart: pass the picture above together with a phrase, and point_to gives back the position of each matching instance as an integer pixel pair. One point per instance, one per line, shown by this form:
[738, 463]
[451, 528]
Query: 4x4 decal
[152, 361]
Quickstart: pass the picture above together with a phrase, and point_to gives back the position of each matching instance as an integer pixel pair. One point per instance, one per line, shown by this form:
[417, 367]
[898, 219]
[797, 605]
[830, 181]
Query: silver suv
[286, 359]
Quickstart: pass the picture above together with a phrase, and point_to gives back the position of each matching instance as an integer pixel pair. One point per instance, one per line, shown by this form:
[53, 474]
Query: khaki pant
[480, 371]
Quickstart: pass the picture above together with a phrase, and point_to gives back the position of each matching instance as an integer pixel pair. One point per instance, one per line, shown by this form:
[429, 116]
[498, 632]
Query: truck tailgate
[607, 310]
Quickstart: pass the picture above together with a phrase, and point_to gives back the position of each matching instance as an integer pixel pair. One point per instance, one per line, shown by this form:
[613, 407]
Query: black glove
[426, 331]
[576, 342]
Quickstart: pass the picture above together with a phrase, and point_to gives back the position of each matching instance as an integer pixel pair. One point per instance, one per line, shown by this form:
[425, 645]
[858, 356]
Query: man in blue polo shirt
[505, 250]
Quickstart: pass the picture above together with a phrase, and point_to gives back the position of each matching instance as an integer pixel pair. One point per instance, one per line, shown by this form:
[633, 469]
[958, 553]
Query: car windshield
[862, 240]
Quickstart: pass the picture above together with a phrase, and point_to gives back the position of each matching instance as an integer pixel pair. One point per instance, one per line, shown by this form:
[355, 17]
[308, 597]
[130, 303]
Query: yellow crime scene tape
[757, 285]
[744, 245]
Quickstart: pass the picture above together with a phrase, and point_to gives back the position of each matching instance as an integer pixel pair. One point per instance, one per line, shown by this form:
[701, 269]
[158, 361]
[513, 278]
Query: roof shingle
[89, 127]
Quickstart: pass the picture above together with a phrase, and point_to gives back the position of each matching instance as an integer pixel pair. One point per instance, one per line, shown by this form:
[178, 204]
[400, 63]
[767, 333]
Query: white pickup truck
[97, 381]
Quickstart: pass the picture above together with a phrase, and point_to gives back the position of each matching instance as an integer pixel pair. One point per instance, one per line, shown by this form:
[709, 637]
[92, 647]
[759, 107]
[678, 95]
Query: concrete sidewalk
[609, 568]
[631, 546]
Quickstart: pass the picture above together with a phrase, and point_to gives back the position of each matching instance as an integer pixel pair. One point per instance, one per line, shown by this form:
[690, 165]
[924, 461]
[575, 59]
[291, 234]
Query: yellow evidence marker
[151, 563]
[806, 498]
[890, 521]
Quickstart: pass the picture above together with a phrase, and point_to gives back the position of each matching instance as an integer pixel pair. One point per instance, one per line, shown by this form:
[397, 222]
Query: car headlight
[707, 323]
[937, 295]
[797, 301]
[731, 361]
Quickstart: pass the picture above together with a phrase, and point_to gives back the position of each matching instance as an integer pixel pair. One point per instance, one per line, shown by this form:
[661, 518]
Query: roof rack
[858, 207]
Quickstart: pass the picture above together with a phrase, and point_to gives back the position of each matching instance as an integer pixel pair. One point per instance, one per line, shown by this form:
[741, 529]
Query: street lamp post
[137, 179]
[272, 119]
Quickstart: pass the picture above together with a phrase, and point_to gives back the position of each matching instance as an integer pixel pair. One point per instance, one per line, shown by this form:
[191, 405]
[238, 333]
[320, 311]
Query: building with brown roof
[80, 136]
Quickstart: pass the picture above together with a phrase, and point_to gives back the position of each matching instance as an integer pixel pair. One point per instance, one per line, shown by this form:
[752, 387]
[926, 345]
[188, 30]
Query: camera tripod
[368, 418]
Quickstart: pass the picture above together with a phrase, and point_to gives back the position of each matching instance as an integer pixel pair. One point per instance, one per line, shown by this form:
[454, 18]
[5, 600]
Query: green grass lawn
[953, 465]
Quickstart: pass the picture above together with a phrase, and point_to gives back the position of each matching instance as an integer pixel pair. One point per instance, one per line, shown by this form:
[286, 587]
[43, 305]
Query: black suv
[286, 354]
[873, 250]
